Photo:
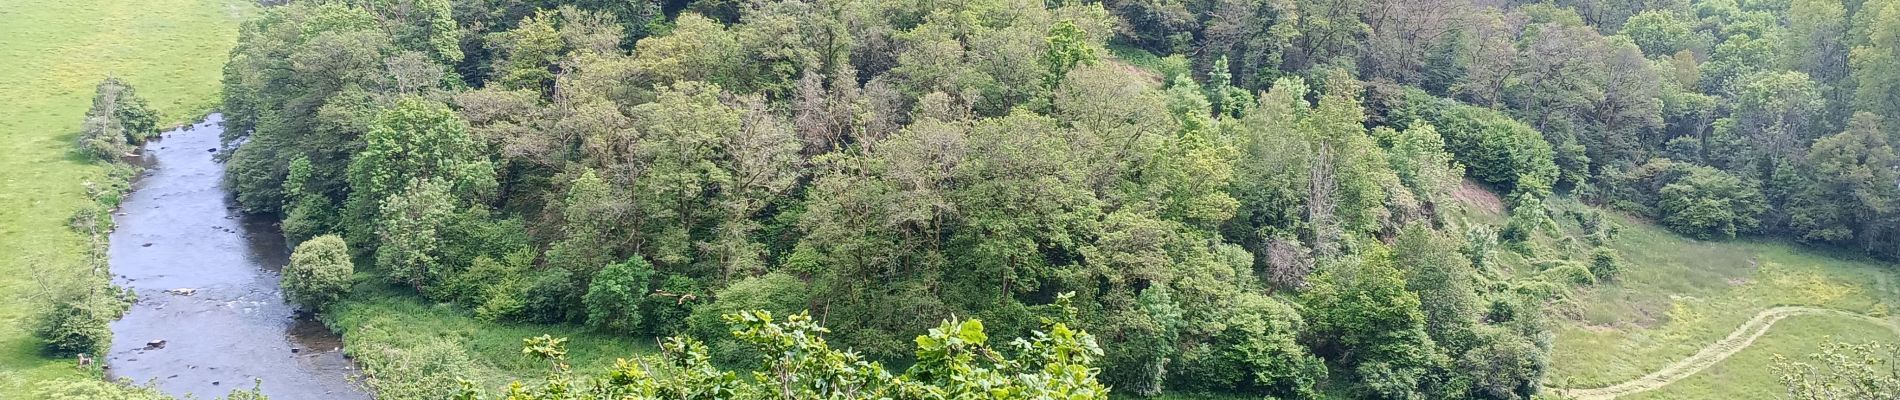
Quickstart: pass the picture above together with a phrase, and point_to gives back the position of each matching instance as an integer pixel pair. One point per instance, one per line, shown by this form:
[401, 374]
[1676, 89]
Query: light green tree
[614, 297]
[1659, 32]
[1842, 371]
[319, 272]
[1875, 65]
[409, 229]
[416, 143]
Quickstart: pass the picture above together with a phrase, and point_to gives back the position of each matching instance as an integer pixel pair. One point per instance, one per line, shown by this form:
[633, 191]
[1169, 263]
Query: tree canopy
[1252, 197]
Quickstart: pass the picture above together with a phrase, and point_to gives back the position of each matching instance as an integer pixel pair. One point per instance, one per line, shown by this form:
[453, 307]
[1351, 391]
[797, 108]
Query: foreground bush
[954, 361]
[1843, 371]
[319, 272]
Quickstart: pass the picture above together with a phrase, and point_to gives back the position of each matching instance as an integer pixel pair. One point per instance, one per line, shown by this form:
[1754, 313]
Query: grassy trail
[54, 51]
[1740, 339]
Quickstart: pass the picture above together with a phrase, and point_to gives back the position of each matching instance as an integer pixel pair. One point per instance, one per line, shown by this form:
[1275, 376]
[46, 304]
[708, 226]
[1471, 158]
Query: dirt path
[1740, 339]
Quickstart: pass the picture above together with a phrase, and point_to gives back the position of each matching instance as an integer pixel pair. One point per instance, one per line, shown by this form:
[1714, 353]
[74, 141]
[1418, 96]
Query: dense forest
[1232, 196]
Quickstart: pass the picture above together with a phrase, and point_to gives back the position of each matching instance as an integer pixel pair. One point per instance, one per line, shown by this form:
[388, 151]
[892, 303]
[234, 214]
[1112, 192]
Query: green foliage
[1605, 264]
[308, 211]
[772, 292]
[551, 295]
[1774, 118]
[1691, 199]
[118, 121]
[1418, 156]
[1707, 203]
[319, 272]
[1658, 32]
[408, 232]
[614, 298]
[1493, 147]
[419, 160]
[1069, 47]
[77, 323]
[588, 213]
[1505, 364]
[954, 360]
[1443, 279]
[527, 53]
[1364, 319]
[1842, 370]
[493, 287]
[1816, 40]
[320, 59]
[124, 389]
[1876, 63]
[1568, 272]
[1257, 352]
[951, 160]
[1737, 56]
[1852, 190]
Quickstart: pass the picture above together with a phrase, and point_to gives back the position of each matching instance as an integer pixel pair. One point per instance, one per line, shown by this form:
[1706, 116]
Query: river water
[210, 317]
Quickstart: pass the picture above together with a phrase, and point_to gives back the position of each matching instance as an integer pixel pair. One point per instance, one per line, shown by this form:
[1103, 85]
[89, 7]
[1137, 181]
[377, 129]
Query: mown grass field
[1748, 375]
[1677, 295]
[52, 53]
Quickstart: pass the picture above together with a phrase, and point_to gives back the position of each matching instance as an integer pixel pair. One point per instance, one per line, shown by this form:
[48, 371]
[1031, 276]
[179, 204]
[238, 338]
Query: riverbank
[57, 50]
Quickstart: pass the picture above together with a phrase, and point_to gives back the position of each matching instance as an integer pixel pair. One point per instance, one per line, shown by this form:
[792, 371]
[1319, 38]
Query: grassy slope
[52, 52]
[1677, 295]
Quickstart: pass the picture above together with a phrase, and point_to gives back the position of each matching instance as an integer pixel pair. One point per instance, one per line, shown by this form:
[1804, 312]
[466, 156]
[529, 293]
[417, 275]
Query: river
[210, 317]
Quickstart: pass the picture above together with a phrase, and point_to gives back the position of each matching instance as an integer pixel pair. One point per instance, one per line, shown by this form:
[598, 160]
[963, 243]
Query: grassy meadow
[55, 51]
[1677, 295]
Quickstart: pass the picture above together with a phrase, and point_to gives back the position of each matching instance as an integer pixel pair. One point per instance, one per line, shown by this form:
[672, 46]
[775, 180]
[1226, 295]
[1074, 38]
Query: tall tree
[1366, 320]
[1853, 194]
[1875, 65]
[415, 143]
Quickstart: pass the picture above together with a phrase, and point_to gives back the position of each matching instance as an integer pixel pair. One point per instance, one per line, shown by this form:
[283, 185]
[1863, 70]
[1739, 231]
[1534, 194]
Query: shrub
[613, 299]
[401, 366]
[1843, 370]
[319, 272]
[1604, 264]
[491, 286]
[77, 324]
[1258, 352]
[672, 304]
[1569, 272]
[1494, 148]
[1709, 203]
[955, 360]
[1690, 199]
[776, 292]
[551, 296]
[1504, 365]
